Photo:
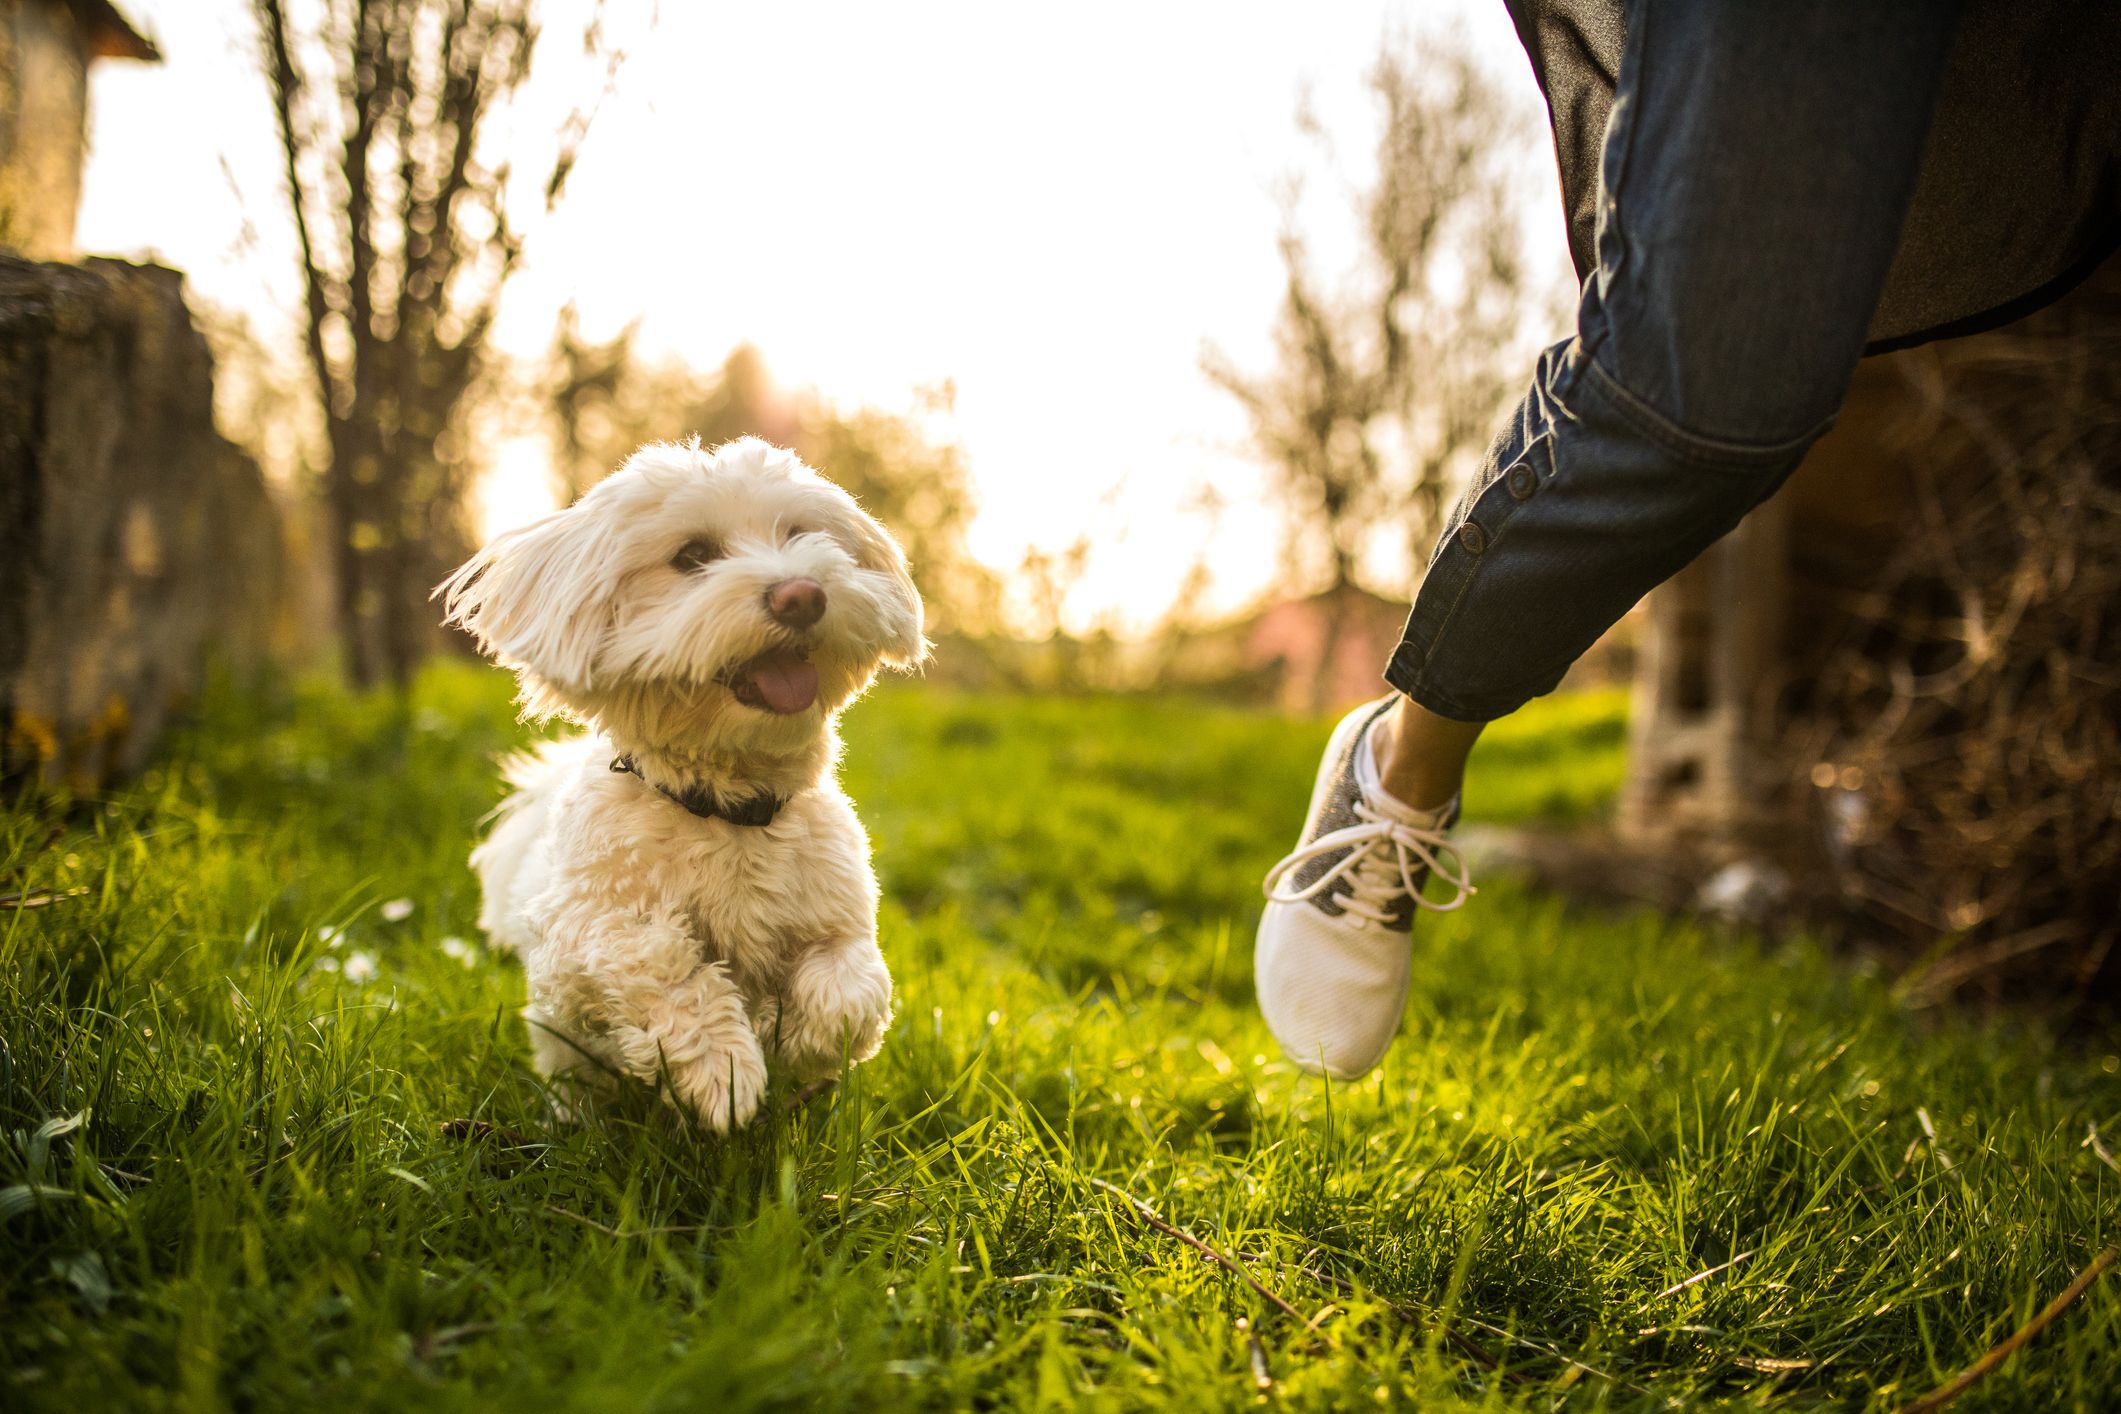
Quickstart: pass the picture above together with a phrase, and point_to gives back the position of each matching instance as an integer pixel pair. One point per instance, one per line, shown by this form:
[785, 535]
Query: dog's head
[726, 597]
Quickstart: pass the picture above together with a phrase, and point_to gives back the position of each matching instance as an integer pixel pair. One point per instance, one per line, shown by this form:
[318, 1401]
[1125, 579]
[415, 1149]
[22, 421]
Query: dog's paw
[838, 1007]
[723, 1084]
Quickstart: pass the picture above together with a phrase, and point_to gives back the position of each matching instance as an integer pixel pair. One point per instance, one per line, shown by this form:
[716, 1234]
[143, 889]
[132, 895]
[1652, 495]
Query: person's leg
[1757, 169]
[1758, 165]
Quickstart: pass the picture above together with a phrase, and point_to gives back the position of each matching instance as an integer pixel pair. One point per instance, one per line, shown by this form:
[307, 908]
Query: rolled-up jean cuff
[1404, 675]
[1579, 421]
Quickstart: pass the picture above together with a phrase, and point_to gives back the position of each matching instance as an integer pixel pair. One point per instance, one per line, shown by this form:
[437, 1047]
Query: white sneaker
[1335, 948]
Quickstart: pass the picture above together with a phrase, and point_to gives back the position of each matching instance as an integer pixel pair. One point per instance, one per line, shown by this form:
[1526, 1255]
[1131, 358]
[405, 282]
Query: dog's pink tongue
[787, 681]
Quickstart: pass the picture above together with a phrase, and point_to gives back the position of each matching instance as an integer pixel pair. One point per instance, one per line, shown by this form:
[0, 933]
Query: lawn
[270, 1141]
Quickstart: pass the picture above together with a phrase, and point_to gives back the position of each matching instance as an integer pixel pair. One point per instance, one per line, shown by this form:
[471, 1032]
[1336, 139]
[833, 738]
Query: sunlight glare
[518, 489]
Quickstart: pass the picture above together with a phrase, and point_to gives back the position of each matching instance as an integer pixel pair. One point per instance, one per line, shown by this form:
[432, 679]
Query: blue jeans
[1757, 169]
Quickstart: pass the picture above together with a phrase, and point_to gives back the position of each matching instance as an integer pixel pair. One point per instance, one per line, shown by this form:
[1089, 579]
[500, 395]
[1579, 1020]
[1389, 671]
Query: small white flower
[360, 967]
[462, 951]
[327, 963]
[397, 910]
[331, 937]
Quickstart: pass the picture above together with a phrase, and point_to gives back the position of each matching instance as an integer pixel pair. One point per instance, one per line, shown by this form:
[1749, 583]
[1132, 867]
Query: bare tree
[1387, 382]
[403, 219]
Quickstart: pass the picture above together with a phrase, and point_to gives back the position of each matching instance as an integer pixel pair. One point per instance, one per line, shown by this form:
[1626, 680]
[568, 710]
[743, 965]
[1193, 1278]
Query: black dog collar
[757, 810]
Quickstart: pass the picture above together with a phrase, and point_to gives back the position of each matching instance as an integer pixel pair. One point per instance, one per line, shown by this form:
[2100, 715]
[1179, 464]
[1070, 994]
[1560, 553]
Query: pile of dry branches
[1967, 720]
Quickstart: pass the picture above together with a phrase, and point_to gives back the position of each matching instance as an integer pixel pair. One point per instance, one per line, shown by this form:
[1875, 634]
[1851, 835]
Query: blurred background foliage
[1389, 368]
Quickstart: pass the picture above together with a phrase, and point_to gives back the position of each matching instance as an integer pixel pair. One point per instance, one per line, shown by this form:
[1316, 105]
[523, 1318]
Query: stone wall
[136, 543]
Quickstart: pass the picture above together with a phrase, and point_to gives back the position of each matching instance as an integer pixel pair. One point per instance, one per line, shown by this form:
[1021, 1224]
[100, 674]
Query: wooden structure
[1707, 765]
[1325, 652]
[46, 47]
[1707, 668]
[135, 540]
[1733, 645]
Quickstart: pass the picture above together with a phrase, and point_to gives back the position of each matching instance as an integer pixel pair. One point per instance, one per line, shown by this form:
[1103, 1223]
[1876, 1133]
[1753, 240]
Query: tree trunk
[352, 488]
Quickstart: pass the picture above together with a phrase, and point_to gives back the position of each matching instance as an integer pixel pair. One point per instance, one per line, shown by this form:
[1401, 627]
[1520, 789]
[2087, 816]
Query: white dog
[687, 885]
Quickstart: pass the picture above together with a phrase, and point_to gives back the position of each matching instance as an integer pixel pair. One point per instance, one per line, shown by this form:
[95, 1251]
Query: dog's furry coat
[659, 943]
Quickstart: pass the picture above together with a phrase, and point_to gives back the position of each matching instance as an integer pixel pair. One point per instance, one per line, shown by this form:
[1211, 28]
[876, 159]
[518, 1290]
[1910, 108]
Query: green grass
[255, 1205]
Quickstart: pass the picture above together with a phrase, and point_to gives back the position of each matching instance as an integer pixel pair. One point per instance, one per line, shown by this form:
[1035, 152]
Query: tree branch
[287, 91]
[1965, 1379]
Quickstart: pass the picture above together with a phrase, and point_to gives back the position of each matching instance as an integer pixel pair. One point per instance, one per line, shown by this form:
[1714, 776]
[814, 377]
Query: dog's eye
[694, 554]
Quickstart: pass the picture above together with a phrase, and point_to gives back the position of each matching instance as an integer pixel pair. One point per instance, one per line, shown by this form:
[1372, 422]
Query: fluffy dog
[687, 885]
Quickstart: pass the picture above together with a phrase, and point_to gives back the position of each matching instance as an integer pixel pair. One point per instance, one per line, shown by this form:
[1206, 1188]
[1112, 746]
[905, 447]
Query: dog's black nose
[798, 603]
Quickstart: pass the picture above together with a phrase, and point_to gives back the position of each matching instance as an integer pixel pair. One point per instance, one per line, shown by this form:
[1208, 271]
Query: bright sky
[1056, 208]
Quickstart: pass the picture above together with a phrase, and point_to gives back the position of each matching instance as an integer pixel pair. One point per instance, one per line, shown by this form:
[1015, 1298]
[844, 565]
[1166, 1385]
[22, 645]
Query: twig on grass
[40, 898]
[557, 1211]
[1677, 1287]
[1959, 1384]
[868, 1195]
[1473, 1349]
[1934, 984]
[430, 1342]
[480, 1129]
[2098, 1147]
[1546, 1348]
[1463, 1343]
[1480, 1355]
[1229, 1264]
[808, 1093]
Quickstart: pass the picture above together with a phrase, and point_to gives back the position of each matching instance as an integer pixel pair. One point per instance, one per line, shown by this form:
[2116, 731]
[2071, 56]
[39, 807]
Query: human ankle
[1421, 757]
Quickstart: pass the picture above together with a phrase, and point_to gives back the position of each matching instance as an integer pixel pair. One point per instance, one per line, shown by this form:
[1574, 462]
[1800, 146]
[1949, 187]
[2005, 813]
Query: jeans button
[1473, 538]
[1523, 481]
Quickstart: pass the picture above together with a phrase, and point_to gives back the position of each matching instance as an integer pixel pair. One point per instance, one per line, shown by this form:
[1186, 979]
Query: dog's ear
[905, 645]
[538, 598]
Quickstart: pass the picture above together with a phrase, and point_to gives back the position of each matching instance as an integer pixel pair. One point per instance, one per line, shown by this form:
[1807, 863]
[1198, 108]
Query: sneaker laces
[1385, 856]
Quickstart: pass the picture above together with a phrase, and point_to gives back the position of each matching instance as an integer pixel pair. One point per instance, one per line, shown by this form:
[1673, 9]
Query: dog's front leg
[835, 1006]
[639, 994]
